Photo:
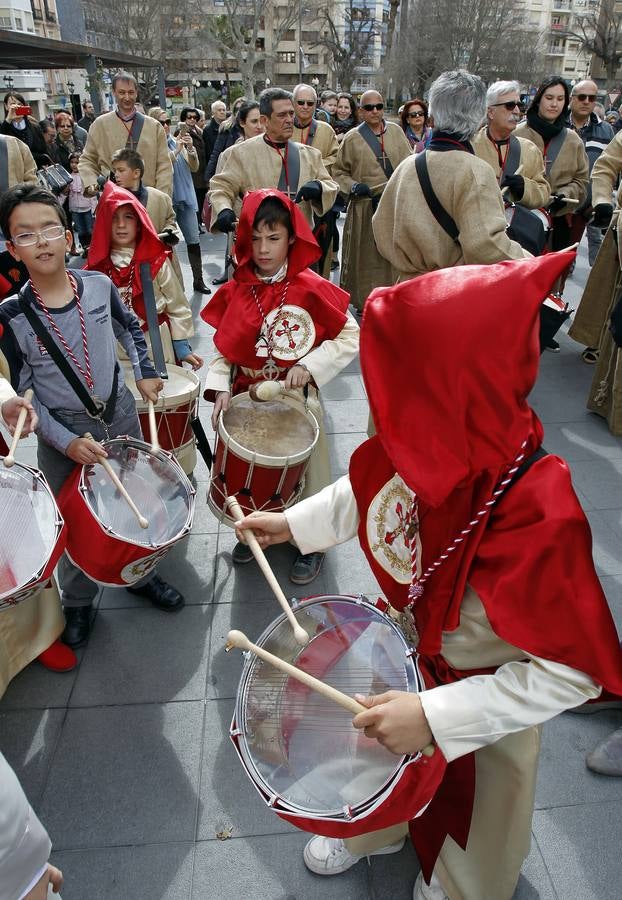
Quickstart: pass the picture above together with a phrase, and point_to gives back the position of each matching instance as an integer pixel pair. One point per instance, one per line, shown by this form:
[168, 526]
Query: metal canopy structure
[19, 50]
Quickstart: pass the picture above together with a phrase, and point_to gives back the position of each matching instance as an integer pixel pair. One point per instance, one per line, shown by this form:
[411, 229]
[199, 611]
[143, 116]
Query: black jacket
[226, 138]
[32, 136]
[210, 133]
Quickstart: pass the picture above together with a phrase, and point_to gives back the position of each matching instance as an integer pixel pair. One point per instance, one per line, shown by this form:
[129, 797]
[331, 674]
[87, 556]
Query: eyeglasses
[509, 104]
[191, 116]
[583, 97]
[165, 121]
[415, 115]
[305, 102]
[49, 233]
[369, 107]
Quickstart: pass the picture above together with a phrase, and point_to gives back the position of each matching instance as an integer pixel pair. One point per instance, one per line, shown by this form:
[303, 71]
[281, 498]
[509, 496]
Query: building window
[286, 56]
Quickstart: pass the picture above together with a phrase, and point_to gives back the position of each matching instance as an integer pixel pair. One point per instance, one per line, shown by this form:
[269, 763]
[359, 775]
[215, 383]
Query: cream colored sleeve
[171, 219]
[89, 166]
[225, 186]
[333, 150]
[30, 167]
[342, 168]
[606, 170]
[330, 187]
[327, 518]
[481, 222]
[479, 710]
[537, 190]
[171, 300]
[6, 393]
[218, 376]
[331, 357]
[164, 167]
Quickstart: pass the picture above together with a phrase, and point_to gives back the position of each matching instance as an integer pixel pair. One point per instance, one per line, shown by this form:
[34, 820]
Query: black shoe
[334, 265]
[306, 567]
[77, 625]
[222, 279]
[160, 594]
[552, 346]
[242, 554]
[200, 287]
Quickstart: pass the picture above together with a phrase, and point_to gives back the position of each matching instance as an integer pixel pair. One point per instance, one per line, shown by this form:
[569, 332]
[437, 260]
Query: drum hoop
[191, 491]
[238, 735]
[164, 402]
[59, 524]
[262, 459]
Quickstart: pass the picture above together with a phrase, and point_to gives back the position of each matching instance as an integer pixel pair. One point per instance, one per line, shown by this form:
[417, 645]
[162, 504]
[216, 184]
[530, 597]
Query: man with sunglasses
[315, 133]
[367, 158]
[506, 153]
[595, 136]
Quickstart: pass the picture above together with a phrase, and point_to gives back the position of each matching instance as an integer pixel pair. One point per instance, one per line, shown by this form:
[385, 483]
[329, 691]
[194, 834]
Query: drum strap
[512, 161]
[95, 410]
[438, 211]
[4, 165]
[151, 315]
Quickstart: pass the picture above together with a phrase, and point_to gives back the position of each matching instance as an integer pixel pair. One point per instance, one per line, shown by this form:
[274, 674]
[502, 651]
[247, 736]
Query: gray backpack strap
[4, 164]
[551, 150]
[376, 148]
[293, 171]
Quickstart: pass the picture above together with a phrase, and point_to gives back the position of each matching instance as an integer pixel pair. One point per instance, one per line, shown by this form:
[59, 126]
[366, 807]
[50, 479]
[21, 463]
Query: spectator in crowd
[48, 129]
[229, 132]
[345, 118]
[25, 128]
[190, 117]
[126, 127]
[328, 106]
[67, 142]
[88, 115]
[210, 132]
[81, 208]
[414, 119]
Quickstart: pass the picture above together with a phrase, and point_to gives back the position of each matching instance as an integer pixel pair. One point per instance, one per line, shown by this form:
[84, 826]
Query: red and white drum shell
[301, 752]
[177, 405]
[542, 214]
[32, 534]
[104, 538]
[261, 454]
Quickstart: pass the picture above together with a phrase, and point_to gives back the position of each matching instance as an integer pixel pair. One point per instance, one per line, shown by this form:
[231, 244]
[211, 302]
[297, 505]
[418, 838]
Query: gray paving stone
[346, 571]
[228, 797]
[342, 418]
[600, 481]
[344, 387]
[145, 656]
[606, 546]
[341, 447]
[581, 849]
[587, 439]
[162, 871]
[612, 586]
[124, 775]
[534, 882]
[393, 875]
[558, 406]
[37, 688]
[28, 739]
[268, 869]
[563, 778]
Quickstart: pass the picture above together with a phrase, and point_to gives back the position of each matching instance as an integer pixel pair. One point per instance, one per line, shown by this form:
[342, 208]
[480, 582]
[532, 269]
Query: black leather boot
[196, 264]
[77, 625]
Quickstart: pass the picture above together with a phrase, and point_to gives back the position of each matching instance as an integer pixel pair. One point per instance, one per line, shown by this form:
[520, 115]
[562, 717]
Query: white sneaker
[330, 856]
[431, 891]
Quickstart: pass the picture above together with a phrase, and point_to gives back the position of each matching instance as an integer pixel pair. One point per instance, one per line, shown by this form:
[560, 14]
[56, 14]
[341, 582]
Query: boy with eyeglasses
[368, 156]
[84, 316]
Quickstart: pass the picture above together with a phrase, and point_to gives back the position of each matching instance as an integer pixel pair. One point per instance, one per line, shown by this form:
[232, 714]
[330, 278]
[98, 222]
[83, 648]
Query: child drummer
[84, 316]
[279, 320]
[123, 238]
[477, 536]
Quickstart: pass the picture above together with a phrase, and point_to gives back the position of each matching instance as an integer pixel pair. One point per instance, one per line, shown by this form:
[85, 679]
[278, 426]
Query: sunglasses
[165, 121]
[416, 115]
[509, 104]
[305, 102]
[369, 107]
[583, 97]
[192, 116]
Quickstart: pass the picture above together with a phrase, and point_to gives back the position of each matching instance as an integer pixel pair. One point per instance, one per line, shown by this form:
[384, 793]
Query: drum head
[298, 745]
[29, 527]
[181, 386]
[156, 484]
[277, 429]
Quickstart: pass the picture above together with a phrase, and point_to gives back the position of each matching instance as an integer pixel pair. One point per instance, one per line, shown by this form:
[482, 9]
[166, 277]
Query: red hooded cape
[149, 248]
[234, 313]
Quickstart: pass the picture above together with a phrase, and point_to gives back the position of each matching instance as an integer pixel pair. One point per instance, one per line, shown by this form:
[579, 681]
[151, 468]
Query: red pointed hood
[304, 251]
[465, 341]
[149, 247]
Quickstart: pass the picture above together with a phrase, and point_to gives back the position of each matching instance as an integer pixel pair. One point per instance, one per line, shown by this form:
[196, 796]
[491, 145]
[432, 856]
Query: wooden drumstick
[519, 171]
[238, 639]
[299, 633]
[9, 459]
[120, 487]
[153, 428]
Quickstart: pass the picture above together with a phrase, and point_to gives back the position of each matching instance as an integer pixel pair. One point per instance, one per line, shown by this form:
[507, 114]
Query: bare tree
[349, 43]
[599, 32]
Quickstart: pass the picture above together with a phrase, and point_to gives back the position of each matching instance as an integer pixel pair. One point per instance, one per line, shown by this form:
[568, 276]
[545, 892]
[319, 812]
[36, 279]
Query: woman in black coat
[24, 128]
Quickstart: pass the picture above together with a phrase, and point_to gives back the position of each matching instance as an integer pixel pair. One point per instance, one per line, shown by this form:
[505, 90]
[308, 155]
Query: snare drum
[261, 456]
[176, 407]
[104, 537]
[528, 227]
[301, 751]
[32, 533]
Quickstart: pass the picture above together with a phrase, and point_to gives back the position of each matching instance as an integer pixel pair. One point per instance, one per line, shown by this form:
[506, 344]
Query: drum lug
[347, 812]
[382, 604]
[236, 732]
[272, 799]
[295, 602]
[410, 652]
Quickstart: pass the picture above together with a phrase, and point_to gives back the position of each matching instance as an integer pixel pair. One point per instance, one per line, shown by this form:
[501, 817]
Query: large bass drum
[301, 751]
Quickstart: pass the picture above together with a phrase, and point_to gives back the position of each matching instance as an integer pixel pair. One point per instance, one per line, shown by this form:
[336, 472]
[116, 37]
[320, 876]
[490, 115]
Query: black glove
[312, 190]
[169, 237]
[557, 202]
[602, 215]
[359, 189]
[225, 221]
[516, 184]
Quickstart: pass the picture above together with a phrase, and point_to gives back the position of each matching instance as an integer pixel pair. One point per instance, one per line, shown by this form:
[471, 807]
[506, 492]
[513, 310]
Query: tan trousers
[500, 835]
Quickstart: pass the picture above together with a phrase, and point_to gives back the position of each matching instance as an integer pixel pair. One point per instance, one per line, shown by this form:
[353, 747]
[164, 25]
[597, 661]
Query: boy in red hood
[481, 547]
[278, 319]
[123, 238]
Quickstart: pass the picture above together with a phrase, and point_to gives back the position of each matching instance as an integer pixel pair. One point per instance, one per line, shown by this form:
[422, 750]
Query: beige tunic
[160, 211]
[253, 164]
[495, 715]
[537, 190]
[21, 165]
[363, 268]
[410, 238]
[324, 140]
[108, 134]
[569, 174]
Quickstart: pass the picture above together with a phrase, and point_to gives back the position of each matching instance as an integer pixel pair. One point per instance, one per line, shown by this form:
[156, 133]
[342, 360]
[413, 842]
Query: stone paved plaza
[127, 759]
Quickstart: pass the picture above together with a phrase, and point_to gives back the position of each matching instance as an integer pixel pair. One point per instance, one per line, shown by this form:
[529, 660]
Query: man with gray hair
[462, 218]
[272, 160]
[506, 153]
[210, 132]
